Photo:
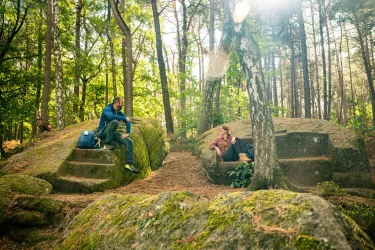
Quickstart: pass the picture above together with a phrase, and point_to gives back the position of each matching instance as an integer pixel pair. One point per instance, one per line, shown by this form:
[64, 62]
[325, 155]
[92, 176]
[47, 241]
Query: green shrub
[241, 175]
[329, 188]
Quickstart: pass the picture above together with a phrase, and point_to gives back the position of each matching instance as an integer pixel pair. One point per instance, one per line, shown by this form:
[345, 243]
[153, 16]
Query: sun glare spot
[217, 64]
[241, 10]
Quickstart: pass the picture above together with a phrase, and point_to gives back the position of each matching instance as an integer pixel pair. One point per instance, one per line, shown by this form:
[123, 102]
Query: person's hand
[127, 119]
[218, 152]
[124, 136]
[234, 140]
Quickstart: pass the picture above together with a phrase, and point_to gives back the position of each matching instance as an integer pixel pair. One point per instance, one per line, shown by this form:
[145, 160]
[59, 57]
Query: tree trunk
[163, 74]
[316, 63]
[129, 49]
[275, 101]
[267, 172]
[281, 85]
[293, 113]
[106, 80]
[366, 63]
[321, 22]
[329, 104]
[40, 78]
[217, 120]
[60, 119]
[83, 101]
[305, 65]
[47, 67]
[77, 66]
[350, 72]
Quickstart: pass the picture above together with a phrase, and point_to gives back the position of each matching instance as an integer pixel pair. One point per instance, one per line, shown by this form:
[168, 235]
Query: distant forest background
[62, 61]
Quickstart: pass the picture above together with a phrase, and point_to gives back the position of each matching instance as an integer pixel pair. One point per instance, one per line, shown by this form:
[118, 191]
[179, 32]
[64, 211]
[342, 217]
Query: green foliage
[329, 188]
[241, 175]
[363, 215]
[361, 124]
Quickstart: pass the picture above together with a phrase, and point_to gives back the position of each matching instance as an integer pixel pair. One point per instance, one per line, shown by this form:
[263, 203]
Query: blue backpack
[87, 139]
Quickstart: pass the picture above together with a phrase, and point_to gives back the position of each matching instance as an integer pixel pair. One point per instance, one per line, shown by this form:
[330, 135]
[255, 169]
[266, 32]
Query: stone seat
[302, 157]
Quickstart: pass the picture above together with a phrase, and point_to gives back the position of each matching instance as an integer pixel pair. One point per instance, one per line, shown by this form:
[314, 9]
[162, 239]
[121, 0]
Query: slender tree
[162, 72]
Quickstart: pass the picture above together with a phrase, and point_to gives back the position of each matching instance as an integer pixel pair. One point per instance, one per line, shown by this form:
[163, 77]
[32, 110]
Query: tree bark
[162, 71]
[305, 65]
[47, 67]
[77, 66]
[329, 104]
[366, 63]
[40, 77]
[60, 119]
[275, 101]
[129, 49]
[267, 172]
[350, 72]
[281, 85]
[321, 22]
[293, 108]
[316, 62]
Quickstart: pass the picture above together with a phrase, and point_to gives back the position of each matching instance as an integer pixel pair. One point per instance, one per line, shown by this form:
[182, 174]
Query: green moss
[362, 239]
[5, 198]
[304, 242]
[41, 204]
[25, 184]
[29, 218]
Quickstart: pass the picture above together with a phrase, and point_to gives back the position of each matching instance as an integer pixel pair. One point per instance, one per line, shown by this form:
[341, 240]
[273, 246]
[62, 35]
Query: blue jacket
[109, 114]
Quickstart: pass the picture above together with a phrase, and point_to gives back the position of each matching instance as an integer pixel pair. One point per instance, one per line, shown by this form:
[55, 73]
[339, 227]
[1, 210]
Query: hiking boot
[243, 157]
[131, 167]
[109, 146]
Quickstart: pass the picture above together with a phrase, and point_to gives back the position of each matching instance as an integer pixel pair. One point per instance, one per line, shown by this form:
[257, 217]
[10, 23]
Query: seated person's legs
[128, 152]
[235, 152]
[108, 132]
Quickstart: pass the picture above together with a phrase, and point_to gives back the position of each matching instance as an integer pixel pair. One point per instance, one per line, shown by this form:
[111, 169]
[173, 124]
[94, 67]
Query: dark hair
[226, 128]
[116, 99]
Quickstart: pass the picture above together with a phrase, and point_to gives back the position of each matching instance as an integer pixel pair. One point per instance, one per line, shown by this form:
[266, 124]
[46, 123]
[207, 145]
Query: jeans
[231, 154]
[109, 134]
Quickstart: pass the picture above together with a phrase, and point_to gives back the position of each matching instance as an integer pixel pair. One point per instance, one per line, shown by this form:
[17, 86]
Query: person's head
[224, 130]
[117, 103]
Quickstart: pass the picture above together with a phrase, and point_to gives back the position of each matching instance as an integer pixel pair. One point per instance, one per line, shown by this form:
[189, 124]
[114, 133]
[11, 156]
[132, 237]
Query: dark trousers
[231, 154]
[109, 135]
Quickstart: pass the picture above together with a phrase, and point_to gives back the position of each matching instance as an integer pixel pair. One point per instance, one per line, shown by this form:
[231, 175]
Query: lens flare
[241, 11]
[217, 63]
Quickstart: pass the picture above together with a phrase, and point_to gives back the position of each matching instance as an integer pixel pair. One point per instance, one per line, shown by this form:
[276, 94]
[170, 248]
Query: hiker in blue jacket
[109, 120]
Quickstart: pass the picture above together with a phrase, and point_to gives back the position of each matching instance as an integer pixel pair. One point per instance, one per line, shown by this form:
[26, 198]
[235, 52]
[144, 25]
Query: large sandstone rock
[11, 185]
[93, 170]
[261, 220]
[310, 151]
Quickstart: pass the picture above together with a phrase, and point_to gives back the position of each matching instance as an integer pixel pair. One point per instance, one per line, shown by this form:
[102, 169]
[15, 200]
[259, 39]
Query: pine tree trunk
[275, 101]
[329, 104]
[281, 86]
[305, 65]
[162, 71]
[77, 66]
[321, 22]
[106, 81]
[319, 109]
[60, 119]
[40, 77]
[47, 69]
[366, 63]
[293, 106]
[350, 72]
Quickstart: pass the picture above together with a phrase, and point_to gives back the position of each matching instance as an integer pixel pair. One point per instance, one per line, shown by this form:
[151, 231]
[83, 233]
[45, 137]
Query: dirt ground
[181, 171]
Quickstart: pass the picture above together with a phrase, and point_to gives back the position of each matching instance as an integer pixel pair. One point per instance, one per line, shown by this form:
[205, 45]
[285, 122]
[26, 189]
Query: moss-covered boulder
[93, 170]
[25, 184]
[311, 151]
[261, 220]
[12, 185]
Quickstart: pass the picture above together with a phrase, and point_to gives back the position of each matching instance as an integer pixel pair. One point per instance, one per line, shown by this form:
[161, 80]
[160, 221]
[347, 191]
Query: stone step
[74, 184]
[307, 171]
[93, 155]
[89, 169]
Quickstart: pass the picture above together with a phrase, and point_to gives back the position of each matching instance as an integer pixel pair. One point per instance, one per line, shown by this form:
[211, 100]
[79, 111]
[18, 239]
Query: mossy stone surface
[42, 204]
[5, 198]
[273, 219]
[28, 218]
[302, 139]
[25, 184]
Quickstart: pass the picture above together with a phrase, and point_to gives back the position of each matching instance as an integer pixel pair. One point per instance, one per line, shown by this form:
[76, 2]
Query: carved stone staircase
[303, 157]
[87, 171]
